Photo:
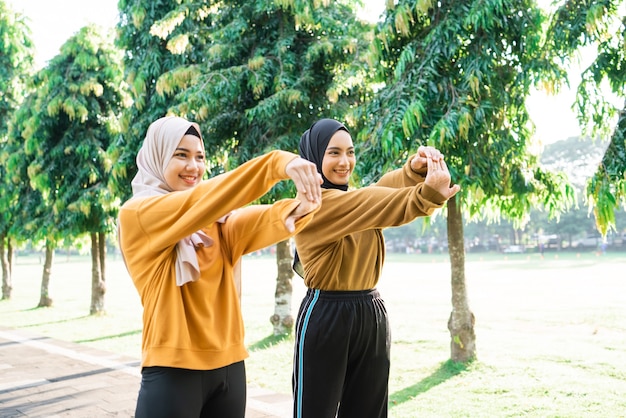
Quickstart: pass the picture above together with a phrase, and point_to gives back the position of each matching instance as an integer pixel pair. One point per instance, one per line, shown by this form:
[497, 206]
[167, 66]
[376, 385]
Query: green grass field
[551, 332]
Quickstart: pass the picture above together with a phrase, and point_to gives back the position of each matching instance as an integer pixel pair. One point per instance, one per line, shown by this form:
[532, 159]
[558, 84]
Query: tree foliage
[16, 64]
[73, 117]
[456, 76]
[32, 220]
[607, 189]
[269, 70]
[600, 26]
[78, 104]
[148, 55]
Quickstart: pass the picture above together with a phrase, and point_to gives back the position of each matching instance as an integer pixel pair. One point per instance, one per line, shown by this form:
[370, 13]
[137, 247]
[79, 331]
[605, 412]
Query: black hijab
[313, 144]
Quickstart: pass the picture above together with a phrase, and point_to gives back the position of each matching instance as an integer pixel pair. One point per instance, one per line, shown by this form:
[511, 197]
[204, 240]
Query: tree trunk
[11, 258]
[103, 255]
[98, 288]
[461, 322]
[282, 318]
[44, 296]
[6, 255]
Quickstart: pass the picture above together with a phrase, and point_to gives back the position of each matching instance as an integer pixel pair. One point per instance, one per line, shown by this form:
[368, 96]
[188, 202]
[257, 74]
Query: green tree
[16, 65]
[32, 220]
[581, 25]
[78, 102]
[269, 70]
[606, 191]
[146, 58]
[456, 76]
[579, 158]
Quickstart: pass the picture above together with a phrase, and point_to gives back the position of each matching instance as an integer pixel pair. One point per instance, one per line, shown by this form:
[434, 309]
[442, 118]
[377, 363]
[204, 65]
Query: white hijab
[155, 153]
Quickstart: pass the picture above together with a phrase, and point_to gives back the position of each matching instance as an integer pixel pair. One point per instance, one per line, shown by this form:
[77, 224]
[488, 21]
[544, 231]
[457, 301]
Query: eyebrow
[186, 150]
[338, 148]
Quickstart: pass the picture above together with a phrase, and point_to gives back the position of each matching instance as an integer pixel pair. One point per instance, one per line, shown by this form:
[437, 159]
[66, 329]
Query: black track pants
[180, 393]
[341, 361]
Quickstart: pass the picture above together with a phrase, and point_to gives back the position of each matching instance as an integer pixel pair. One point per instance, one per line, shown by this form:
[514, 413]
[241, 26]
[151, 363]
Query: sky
[52, 22]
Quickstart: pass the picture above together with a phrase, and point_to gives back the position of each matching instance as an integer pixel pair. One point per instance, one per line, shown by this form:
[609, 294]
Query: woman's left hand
[424, 153]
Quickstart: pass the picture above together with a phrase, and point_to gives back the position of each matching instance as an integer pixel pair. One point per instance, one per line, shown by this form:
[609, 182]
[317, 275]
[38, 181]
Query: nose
[344, 160]
[192, 165]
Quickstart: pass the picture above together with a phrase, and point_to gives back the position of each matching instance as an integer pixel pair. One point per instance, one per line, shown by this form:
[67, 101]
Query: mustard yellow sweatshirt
[343, 247]
[199, 325]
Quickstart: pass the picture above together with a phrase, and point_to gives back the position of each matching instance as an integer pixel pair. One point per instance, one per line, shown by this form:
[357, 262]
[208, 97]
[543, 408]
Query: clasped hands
[437, 174]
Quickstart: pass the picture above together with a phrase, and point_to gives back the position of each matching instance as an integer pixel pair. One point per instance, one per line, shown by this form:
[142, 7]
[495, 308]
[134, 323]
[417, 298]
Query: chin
[187, 187]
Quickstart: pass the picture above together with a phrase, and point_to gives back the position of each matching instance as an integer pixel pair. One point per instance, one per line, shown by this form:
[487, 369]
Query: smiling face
[339, 158]
[186, 167]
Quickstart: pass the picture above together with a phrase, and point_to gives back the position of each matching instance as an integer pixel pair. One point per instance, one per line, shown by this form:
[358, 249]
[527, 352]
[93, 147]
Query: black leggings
[341, 366]
[181, 393]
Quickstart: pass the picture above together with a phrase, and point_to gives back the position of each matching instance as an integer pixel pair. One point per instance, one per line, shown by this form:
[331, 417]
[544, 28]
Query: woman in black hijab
[313, 146]
[341, 359]
[313, 150]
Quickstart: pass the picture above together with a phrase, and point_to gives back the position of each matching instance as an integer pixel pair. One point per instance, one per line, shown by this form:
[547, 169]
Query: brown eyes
[350, 153]
[183, 155]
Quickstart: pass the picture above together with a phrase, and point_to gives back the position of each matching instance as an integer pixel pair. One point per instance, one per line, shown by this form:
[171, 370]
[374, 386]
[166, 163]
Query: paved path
[42, 377]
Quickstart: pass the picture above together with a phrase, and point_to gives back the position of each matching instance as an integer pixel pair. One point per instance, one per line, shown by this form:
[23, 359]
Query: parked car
[514, 249]
[590, 241]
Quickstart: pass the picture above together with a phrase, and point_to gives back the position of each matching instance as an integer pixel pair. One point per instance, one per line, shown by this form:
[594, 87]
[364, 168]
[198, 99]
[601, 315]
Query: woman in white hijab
[182, 238]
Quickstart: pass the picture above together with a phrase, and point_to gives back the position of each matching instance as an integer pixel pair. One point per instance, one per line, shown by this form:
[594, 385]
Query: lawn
[551, 332]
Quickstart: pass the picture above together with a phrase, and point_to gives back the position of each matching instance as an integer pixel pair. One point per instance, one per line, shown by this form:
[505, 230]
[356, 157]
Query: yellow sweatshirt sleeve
[402, 177]
[258, 226]
[166, 219]
[344, 213]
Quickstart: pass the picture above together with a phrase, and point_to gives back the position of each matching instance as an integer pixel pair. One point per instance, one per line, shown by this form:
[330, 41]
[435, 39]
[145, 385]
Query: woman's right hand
[438, 177]
[306, 178]
[304, 208]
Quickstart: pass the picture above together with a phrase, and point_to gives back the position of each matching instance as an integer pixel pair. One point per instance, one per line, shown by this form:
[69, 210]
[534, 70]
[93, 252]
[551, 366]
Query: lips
[188, 179]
